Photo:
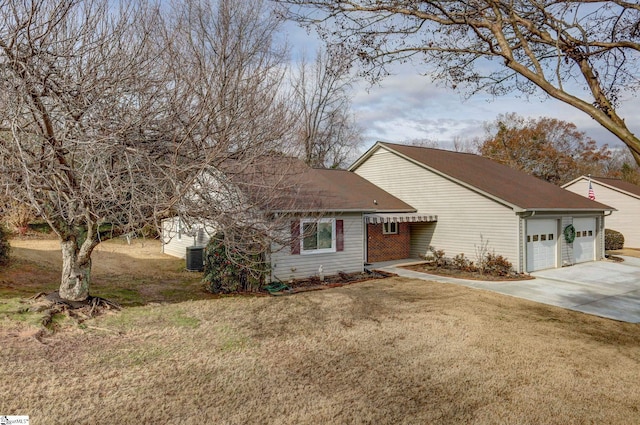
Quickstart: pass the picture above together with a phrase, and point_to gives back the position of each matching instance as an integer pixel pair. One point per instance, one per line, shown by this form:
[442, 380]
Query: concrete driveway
[601, 288]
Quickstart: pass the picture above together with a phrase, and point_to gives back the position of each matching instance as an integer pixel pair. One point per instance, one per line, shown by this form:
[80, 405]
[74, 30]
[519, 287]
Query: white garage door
[584, 245]
[542, 236]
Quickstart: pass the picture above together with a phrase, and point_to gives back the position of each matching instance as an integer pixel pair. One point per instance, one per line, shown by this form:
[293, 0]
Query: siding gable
[466, 219]
[625, 219]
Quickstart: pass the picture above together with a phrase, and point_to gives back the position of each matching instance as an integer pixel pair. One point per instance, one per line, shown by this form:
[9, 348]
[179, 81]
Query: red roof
[496, 180]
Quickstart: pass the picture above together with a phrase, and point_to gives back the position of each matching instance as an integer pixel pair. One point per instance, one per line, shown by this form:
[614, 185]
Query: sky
[408, 106]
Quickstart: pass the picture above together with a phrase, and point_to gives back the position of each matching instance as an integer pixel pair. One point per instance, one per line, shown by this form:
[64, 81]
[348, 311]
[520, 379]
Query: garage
[541, 244]
[584, 245]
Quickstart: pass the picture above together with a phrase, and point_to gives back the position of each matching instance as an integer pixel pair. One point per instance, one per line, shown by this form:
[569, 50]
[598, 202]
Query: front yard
[388, 351]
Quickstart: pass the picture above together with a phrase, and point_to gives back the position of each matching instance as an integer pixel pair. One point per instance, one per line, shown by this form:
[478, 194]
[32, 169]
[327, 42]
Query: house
[622, 195]
[322, 214]
[482, 205]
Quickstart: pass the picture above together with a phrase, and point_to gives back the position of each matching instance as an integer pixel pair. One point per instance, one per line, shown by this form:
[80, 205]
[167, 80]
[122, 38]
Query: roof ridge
[433, 149]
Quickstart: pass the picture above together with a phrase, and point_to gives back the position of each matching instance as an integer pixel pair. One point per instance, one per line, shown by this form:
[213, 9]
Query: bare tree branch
[583, 53]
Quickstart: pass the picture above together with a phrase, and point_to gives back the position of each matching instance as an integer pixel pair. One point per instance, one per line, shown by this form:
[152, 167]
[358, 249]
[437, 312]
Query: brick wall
[381, 247]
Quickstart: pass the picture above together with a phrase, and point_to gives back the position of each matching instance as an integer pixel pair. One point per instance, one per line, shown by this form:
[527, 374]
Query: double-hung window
[318, 235]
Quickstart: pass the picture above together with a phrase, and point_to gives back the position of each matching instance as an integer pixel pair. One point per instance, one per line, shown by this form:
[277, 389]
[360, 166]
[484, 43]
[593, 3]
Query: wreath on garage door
[569, 233]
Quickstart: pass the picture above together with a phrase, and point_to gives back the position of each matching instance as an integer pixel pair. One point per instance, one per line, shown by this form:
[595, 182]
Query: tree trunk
[76, 272]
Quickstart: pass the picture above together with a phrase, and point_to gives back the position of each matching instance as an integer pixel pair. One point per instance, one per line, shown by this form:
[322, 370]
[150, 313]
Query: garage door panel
[541, 244]
[584, 247]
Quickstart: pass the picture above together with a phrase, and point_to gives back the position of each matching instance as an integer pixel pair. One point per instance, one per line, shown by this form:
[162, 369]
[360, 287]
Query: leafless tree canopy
[326, 132]
[112, 112]
[582, 52]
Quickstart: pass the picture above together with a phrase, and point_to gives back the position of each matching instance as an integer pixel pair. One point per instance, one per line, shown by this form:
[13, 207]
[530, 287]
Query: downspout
[365, 241]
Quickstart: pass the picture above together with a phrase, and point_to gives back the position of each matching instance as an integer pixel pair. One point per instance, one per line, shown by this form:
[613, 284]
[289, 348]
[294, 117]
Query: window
[543, 237]
[389, 228]
[535, 238]
[590, 232]
[550, 236]
[318, 235]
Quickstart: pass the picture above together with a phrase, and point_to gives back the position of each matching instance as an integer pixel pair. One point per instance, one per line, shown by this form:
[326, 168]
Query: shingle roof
[619, 184]
[280, 184]
[345, 190]
[496, 180]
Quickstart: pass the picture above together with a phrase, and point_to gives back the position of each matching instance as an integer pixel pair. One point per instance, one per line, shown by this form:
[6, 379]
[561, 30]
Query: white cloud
[408, 106]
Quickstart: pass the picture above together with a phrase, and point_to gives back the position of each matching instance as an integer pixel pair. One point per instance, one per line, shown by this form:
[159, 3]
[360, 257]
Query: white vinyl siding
[286, 266]
[177, 246]
[175, 243]
[466, 219]
[625, 220]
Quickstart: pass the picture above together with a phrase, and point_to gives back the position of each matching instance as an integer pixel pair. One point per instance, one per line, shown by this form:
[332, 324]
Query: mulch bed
[462, 274]
[315, 284]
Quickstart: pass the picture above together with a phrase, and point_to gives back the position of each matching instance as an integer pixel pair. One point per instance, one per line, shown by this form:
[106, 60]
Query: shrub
[5, 248]
[461, 262]
[19, 216]
[496, 265]
[613, 240]
[437, 257]
[230, 266]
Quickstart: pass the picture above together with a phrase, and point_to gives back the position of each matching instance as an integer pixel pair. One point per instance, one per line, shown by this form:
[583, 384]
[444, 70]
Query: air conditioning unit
[195, 258]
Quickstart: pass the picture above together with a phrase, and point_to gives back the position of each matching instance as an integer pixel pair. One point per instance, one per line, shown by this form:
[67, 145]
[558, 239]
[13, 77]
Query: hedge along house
[319, 218]
[622, 195]
[482, 205]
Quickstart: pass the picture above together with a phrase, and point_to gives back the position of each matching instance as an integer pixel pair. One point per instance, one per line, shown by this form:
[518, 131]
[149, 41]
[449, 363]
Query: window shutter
[295, 237]
[339, 235]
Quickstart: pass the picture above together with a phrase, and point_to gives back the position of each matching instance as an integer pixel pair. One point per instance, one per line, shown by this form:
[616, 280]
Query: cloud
[408, 106]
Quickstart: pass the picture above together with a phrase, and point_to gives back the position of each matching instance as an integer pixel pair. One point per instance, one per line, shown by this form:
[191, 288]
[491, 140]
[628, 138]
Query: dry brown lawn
[631, 252]
[131, 274]
[390, 351]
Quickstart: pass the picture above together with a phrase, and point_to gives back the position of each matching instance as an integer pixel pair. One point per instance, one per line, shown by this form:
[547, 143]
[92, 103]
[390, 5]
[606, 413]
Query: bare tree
[327, 132]
[111, 113]
[228, 99]
[78, 106]
[582, 52]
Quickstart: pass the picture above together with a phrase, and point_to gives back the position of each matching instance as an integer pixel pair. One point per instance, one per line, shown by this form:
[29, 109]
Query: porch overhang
[399, 218]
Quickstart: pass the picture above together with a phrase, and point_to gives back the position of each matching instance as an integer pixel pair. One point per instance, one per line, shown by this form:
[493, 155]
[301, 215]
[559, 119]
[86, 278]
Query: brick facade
[381, 247]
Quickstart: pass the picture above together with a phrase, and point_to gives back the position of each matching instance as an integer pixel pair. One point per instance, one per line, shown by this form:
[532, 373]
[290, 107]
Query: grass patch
[393, 351]
[151, 317]
[131, 275]
[126, 297]
[384, 352]
[16, 310]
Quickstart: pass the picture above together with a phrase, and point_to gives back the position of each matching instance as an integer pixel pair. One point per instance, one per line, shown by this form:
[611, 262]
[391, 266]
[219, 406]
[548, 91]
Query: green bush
[5, 248]
[230, 266]
[613, 240]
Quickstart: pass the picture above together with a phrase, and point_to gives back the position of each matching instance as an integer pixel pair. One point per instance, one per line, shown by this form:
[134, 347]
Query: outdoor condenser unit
[195, 258]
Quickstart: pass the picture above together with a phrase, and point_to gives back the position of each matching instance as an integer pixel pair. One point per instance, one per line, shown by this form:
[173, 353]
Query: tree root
[51, 304]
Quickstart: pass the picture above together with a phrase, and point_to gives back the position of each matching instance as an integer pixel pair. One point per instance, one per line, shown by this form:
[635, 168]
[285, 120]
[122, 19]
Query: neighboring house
[623, 196]
[322, 213]
[481, 205]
